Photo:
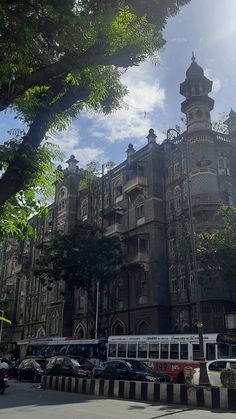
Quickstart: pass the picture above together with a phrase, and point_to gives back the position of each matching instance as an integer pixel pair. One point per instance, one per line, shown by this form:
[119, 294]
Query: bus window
[233, 348]
[154, 350]
[174, 351]
[223, 350]
[183, 351]
[112, 350]
[196, 352]
[142, 350]
[132, 350]
[121, 350]
[211, 351]
[164, 351]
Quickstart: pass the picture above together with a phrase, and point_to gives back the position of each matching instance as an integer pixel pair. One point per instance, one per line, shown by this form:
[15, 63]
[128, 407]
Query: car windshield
[41, 362]
[75, 363]
[137, 365]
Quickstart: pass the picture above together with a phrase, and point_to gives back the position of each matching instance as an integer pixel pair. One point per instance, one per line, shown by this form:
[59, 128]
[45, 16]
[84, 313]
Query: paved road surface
[28, 401]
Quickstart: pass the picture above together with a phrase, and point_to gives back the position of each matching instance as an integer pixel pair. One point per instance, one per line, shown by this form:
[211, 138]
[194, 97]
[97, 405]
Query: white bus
[171, 353]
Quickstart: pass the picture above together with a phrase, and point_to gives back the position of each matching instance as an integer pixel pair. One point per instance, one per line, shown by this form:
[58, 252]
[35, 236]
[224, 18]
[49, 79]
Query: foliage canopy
[64, 56]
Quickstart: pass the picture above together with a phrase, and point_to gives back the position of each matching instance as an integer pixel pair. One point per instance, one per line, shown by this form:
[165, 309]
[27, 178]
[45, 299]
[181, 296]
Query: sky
[207, 27]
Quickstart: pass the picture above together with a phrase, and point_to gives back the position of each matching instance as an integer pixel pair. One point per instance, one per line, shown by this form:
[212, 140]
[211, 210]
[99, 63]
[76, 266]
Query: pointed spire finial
[193, 57]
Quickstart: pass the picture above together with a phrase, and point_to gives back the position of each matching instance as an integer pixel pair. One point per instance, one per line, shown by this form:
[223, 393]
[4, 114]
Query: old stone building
[143, 200]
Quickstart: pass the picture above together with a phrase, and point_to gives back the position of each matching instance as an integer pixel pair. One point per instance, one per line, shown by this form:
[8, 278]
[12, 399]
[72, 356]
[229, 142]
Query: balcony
[138, 258]
[114, 229]
[136, 183]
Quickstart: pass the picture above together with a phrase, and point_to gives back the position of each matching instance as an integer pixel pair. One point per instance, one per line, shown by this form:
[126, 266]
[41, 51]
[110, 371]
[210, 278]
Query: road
[28, 401]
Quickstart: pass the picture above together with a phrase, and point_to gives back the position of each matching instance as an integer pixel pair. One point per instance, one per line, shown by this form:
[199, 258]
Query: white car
[214, 369]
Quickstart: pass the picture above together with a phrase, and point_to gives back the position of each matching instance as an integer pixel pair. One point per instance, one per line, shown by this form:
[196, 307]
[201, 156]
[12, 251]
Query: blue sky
[207, 27]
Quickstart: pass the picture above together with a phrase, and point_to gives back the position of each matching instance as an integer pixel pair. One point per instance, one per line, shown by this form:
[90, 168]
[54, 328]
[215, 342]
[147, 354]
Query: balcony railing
[138, 182]
[139, 257]
[113, 229]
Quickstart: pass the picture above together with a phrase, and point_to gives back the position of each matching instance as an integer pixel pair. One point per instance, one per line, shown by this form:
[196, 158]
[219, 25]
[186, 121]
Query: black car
[128, 370]
[70, 367]
[31, 369]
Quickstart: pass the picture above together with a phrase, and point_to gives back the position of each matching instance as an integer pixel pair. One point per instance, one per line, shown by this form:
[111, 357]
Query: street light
[203, 378]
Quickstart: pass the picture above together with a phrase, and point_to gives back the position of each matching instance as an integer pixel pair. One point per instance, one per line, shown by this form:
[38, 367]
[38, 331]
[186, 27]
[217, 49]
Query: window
[142, 284]
[140, 211]
[132, 350]
[142, 350]
[196, 352]
[176, 170]
[154, 350]
[121, 350]
[143, 245]
[172, 246]
[223, 166]
[84, 210]
[164, 350]
[177, 194]
[174, 285]
[112, 350]
[183, 351]
[62, 199]
[183, 283]
[211, 351]
[174, 351]
[217, 366]
[233, 348]
[223, 350]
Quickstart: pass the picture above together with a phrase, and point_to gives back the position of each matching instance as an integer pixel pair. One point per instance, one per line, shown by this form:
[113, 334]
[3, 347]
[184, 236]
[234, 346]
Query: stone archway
[118, 328]
[79, 331]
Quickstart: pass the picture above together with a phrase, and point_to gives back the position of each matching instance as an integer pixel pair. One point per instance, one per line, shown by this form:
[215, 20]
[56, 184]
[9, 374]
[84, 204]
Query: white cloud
[216, 82]
[69, 141]
[87, 154]
[179, 40]
[134, 119]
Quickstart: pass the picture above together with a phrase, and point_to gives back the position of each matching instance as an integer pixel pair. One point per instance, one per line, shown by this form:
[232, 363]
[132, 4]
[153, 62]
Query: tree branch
[44, 76]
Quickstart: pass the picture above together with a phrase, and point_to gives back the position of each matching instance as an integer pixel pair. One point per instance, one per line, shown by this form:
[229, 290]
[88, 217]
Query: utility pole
[203, 379]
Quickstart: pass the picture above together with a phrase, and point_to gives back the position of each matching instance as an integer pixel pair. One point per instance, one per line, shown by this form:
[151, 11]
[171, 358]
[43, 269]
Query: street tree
[80, 259]
[60, 57]
[216, 249]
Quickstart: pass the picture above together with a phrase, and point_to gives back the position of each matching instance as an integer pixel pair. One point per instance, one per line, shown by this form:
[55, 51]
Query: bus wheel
[181, 379]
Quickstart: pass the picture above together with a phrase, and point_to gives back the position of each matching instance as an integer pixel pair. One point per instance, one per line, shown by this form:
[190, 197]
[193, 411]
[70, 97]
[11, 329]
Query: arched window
[118, 328]
[79, 331]
[54, 323]
[177, 195]
[139, 208]
[143, 328]
[62, 198]
[118, 191]
[84, 209]
[40, 332]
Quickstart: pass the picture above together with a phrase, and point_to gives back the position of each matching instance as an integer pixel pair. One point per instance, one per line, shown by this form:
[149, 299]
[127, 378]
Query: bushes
[228, 378]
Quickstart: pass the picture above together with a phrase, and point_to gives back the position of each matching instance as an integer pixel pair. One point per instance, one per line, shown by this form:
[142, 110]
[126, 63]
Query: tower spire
[193, 58]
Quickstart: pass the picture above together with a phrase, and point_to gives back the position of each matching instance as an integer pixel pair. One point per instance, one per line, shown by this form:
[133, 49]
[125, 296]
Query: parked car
[128, 370]
[31, 369]
[4, 377]
[214, 369]
[63, 365]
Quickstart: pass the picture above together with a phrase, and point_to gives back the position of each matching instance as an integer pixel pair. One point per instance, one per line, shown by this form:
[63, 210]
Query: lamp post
[203, 378]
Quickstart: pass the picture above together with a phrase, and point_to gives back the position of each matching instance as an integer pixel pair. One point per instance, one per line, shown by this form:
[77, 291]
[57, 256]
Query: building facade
[144, 201]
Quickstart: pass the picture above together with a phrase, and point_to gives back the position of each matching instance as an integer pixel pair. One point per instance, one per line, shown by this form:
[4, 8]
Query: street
[28, 401]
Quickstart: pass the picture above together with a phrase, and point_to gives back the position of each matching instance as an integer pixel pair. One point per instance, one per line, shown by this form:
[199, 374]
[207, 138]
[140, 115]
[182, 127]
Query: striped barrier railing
[168, 393]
